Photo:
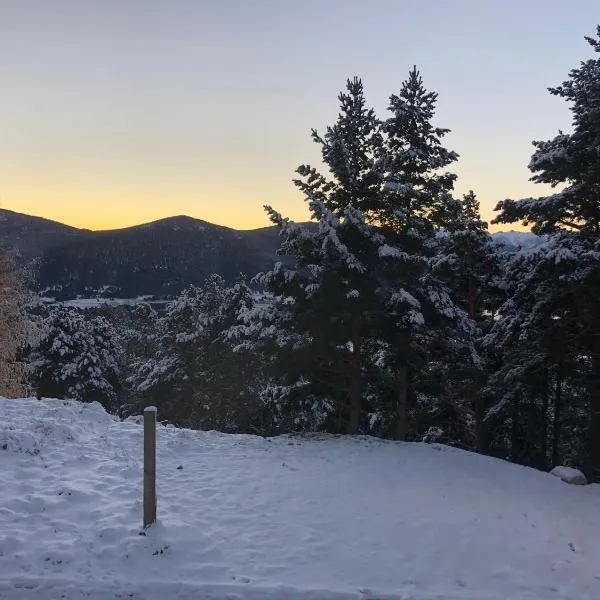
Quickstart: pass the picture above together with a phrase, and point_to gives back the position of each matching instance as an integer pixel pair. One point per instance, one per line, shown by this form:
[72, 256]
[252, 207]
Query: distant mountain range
[155, 259]
[513, 241]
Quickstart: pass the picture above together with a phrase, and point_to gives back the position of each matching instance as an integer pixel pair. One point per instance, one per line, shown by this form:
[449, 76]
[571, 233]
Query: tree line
[393, 314]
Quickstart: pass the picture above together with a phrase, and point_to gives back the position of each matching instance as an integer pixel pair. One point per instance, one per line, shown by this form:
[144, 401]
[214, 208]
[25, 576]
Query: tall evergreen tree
[472, 258]
[569, 158]
[572, 216]
[468, 259]
[538, 380]
[327, 300]
[417, 192]
[361, 285]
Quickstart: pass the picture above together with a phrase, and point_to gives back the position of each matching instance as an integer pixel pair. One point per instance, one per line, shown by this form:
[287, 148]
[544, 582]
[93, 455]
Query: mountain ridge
[158, 258]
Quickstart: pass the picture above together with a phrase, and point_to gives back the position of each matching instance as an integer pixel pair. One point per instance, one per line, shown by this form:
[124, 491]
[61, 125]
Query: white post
[149, 465]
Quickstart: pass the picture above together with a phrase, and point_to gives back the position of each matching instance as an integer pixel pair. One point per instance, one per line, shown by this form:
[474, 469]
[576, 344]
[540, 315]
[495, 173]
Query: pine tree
[467, 260]
[361, 284]
[78, 358]
[328, 309]
[15, 328]
[417, 193]
[140, 335]
[417, 205]
[537, 383]
[572, 216]
[569, 158]
[471, 257]
[196, 376]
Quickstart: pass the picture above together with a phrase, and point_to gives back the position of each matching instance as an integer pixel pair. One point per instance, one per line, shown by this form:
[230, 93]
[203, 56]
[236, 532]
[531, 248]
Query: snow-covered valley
[244, 517]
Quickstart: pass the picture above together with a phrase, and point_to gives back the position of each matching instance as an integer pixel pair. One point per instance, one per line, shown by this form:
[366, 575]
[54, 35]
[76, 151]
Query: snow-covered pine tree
[14, 328]
[326, 302]
[572, 216]
[140, 333]
[468, 260]
[79, 358]
[170, 375]
[415, 205]
[196, 377]
[327, 309]
[571, 159]
[417, 193]
[537, 386]
[361, 282]
[467, 247]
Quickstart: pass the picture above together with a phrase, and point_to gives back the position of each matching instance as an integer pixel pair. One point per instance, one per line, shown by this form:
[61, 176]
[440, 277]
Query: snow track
[306, 518]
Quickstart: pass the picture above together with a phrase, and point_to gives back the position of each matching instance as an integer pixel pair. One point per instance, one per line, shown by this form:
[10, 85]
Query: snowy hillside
[244, 517]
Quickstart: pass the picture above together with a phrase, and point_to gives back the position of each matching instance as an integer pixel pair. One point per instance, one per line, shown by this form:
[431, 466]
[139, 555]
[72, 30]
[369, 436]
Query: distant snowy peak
[180, 223]
[513, 241]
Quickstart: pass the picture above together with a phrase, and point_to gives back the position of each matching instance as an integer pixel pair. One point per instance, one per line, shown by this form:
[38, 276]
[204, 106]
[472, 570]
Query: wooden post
[149, 465]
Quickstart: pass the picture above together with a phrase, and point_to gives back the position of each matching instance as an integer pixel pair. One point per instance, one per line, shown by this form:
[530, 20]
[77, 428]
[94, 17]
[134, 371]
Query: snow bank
[289, 518]
[56, 423]
[569, 475]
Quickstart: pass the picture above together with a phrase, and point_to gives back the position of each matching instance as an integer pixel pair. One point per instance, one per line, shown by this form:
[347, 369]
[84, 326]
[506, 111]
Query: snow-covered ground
[98, 302]
[290, 518]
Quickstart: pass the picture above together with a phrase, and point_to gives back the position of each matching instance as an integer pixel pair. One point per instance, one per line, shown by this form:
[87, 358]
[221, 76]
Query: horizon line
[101, 230]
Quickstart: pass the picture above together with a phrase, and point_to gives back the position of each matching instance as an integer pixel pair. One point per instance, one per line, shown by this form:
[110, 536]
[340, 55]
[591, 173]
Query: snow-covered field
[290, 518]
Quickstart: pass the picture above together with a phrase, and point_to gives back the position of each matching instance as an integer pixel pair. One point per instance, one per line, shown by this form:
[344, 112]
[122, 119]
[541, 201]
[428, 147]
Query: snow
[516, 240]
[569, 475]
[389, 251]
[289, 518]
[97, 302]
[398, 187]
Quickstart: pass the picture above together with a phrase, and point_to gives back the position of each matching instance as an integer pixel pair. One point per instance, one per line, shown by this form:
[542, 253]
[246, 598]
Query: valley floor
[288, 518]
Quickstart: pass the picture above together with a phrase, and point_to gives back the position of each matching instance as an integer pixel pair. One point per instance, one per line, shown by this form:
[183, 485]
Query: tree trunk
[594, 433]
[477, 401]
[472, 298]
[557, 425]
[402, 406]
[481, 441]
[515, 437]
[340, 417]
[544, 421]
[355, 389]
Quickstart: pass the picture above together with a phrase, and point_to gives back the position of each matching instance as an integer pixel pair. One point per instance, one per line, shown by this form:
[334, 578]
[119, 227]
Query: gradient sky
[117, 112]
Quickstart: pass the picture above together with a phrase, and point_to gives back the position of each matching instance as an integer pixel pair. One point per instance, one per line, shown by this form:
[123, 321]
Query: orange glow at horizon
[127, 213]
[109, 200]
[82, 210]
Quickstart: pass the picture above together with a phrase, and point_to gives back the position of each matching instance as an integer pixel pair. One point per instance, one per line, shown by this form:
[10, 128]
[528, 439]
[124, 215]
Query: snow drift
[318, 517]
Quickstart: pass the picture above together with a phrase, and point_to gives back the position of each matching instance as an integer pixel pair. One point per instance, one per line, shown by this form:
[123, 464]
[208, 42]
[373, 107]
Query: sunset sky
[118, 112]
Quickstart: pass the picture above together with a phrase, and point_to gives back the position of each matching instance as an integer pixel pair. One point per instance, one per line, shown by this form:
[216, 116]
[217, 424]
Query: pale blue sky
[116, 112]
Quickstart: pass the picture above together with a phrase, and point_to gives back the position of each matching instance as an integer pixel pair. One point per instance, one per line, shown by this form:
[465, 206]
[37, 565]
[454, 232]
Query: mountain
[154, 259]
[513, 241]
[157, 259]
[32, 237]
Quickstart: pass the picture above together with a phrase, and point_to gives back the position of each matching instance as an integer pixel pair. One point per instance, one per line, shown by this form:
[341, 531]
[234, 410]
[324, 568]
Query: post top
[150, 409]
